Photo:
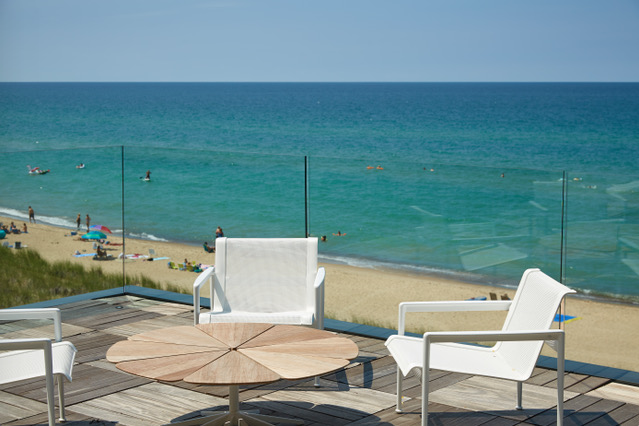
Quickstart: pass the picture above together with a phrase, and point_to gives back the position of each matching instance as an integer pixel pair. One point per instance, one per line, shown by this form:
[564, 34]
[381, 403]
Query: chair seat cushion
[458, 357]
[291, 317]
[27, 364]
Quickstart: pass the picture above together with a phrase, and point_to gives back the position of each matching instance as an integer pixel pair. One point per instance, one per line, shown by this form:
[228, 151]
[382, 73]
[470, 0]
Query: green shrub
[25, 277]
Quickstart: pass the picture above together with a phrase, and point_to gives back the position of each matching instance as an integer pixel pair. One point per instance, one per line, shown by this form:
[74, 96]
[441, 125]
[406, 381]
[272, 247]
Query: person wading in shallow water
[31, 215]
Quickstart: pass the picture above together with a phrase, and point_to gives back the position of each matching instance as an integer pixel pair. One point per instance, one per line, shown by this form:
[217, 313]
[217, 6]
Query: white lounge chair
[38, 357]
[527, 326]
[263, 280]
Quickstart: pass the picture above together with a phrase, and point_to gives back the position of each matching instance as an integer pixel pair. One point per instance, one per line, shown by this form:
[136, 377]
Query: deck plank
[14, 407]
[617, 392]
[338, 395]
[147, 405]
[493, 395]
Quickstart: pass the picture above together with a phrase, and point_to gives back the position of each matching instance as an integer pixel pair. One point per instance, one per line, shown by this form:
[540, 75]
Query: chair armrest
[199, 282]
[449, 306]
[496, 336]
[24, 344]
[35, 313]
[319, 297]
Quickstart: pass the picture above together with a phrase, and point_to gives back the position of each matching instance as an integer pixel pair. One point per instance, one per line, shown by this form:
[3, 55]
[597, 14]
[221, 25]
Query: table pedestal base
[234, 416]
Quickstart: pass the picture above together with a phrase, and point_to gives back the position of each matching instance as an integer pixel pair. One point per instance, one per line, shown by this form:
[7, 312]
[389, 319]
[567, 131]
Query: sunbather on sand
[14, 229]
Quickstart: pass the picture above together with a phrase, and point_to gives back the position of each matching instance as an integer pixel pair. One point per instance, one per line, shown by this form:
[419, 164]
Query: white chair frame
[36, 344]
[208, 276]
[554, 337]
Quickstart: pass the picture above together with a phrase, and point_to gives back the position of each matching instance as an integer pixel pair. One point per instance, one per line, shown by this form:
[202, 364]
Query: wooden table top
[232, 353]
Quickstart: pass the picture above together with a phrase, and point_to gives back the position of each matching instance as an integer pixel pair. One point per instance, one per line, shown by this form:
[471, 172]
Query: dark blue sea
[476, 181]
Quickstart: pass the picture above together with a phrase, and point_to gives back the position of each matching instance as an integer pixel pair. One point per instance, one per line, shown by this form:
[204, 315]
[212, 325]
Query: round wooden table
[233, 354]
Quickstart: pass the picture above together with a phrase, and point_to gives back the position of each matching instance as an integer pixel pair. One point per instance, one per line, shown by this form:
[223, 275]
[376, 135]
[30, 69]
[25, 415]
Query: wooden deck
[361, 394]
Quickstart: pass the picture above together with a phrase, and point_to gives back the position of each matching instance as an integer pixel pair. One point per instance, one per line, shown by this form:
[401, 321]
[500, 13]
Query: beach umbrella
[95, 235]
[100, 228]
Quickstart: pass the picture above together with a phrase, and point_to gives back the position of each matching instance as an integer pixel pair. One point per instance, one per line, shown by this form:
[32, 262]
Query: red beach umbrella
[100, 228]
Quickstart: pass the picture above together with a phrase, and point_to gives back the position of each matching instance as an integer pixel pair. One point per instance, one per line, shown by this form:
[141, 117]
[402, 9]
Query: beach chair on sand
[152, 253]
[513, 357]
[172, 265]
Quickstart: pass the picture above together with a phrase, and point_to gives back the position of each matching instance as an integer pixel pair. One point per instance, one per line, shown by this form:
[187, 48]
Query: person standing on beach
[78, 220]
[31, 215]
[88, 222]
[218, 234]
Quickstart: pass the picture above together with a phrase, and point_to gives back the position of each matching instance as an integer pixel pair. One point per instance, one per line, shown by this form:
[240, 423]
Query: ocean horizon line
[320, 82]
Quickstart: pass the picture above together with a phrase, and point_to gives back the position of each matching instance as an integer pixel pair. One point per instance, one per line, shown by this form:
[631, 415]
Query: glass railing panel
[602, 263]
[58, 188]
[602, 229]
[479, 224]
[191, 193]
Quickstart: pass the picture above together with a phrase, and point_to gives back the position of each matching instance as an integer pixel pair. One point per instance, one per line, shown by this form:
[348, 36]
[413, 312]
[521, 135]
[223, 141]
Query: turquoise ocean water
[470, 180]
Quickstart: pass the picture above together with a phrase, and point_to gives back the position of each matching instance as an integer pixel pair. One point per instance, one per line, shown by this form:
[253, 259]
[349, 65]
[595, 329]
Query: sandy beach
[603, 334]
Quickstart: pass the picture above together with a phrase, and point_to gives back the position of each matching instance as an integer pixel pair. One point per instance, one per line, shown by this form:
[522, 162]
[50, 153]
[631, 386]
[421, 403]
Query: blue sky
[327, 40]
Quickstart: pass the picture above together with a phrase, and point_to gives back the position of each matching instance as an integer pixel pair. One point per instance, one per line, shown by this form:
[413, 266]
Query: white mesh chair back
[267, 275]
[533, 308]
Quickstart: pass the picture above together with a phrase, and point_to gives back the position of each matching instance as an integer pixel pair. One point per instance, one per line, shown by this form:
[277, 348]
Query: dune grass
[25, 277]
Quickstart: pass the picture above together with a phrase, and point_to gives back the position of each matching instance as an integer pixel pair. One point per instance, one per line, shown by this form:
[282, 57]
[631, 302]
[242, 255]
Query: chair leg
[425, 382]
[400, 379]
[425, 379]
[560, 379]
[60, 380]
[319, 324]
[520, 391]
[48, 368]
